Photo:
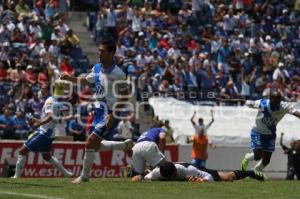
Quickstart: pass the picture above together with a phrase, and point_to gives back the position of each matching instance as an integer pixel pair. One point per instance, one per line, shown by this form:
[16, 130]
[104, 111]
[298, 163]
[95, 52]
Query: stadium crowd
[36, 45]
[205, 50]
[195, 50]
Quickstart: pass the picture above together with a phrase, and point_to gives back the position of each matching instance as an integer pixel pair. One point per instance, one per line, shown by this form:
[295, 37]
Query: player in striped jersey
[41, 140]
[104, 77]
[263, 134]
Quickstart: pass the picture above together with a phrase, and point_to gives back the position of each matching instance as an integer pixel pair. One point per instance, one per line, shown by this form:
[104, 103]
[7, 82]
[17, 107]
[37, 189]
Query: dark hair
[111, 45]
[167, 169]
[200, 120]
[275, 93]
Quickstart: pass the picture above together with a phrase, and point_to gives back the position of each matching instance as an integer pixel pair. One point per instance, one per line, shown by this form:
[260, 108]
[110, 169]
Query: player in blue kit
[149, 148]
[104, 78]
[263, 134]
[41, 140]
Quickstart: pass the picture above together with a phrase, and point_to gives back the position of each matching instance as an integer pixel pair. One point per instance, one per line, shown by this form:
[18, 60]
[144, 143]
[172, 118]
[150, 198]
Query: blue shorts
[39, 143]
[102, 132]
[199, 163]
[261, 141]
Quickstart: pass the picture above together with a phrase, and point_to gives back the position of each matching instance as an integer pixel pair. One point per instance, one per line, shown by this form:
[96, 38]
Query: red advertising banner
[70, 154]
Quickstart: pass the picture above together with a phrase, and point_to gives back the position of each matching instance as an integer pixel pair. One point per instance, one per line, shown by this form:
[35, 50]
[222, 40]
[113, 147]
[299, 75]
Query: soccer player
[169, 171]
[103, 77]
[41, 140]
[149, 148]
[263, 134]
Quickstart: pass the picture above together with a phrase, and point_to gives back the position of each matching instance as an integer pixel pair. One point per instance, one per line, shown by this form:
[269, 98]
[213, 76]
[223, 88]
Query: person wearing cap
[30, 75]
[41, 140]
[281, 72]
[103, 78]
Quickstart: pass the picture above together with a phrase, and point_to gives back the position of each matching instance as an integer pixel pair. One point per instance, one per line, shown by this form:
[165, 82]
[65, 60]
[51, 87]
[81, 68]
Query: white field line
[27, 195]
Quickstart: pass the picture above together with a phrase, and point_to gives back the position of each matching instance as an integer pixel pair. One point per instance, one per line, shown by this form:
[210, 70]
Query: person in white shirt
[125, 130]
[280, 72]
[41, 140]
[169, 171]
[104, 77]
[263, 134]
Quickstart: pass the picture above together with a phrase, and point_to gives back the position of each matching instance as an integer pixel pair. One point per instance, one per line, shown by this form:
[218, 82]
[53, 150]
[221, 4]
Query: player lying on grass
[41, 140]
[169, 171]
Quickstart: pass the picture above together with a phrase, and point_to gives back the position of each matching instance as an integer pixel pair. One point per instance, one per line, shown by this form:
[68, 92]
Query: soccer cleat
[14, 177]
[245, 164]
[260, 176]
[79, 180]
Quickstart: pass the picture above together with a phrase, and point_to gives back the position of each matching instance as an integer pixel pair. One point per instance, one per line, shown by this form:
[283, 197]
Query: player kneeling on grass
[186, 172]
[149, 148]
[41, 140]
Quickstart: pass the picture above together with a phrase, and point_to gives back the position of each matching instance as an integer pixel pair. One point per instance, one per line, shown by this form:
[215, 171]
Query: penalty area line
[27, 195]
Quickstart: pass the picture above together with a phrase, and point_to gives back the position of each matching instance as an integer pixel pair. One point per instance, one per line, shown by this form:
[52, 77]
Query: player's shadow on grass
[26, 185]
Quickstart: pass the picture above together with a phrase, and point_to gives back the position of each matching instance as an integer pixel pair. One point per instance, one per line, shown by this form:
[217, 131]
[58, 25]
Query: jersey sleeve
[153, 175]
[253, 104]
[91, 76]
[49, 106]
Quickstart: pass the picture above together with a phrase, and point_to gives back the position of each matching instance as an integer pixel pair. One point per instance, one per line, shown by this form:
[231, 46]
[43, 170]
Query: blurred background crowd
[193, 50]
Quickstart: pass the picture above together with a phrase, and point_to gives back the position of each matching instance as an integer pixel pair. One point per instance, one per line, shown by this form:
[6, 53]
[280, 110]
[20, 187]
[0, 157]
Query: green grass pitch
[124, 188]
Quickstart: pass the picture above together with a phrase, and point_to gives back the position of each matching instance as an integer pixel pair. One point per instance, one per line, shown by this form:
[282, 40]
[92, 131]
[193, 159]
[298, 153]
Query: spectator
[293, 154]
[30, 75]
[22, 8]
[230, 91]
[66, 67]
[282, 73]
[125, 130]
[76, 129]
[3, 71]
[169, 131]
[6, 124]
[200, 141]
[21, 127]
[35, 104]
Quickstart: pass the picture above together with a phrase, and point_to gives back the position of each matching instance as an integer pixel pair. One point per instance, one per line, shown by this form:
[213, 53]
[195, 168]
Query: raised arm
[192, 118]
[285, 148]
[212, 119]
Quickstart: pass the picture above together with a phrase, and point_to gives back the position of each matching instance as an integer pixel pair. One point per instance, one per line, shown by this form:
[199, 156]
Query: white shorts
[143, 152]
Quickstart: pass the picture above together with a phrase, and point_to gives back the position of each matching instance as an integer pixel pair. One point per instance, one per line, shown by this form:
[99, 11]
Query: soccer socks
[60, 167]
[19, 166]
[88, 162]
[259, 166]
[113, 145]
[249, 156]
[252, 174]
